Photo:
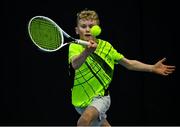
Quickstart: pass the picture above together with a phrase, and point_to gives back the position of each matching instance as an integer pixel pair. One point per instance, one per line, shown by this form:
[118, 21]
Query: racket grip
[85, 43]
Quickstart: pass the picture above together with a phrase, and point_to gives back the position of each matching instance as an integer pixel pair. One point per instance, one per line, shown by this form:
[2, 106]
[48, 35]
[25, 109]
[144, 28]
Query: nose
[88, 28]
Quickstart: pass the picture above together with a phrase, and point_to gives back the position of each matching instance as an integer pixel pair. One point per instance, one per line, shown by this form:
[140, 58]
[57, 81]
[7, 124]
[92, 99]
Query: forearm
[139, 66]
[77, 61]
[157, 68]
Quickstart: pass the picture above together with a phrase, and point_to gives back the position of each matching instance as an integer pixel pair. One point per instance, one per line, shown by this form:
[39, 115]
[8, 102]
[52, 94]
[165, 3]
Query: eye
[91, 26]
[83, 26]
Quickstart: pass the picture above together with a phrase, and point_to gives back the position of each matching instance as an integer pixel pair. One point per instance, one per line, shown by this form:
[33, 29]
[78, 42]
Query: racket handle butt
[85, 43]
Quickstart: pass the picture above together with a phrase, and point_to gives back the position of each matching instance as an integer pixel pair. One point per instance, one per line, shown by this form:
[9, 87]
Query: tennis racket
[48, 36]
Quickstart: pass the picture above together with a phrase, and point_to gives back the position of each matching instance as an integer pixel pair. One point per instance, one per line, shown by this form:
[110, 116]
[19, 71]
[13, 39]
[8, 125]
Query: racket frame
[62, 33]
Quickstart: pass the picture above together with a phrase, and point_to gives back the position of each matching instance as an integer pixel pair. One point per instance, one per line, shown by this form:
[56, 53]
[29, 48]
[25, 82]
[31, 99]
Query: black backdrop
[35, 88]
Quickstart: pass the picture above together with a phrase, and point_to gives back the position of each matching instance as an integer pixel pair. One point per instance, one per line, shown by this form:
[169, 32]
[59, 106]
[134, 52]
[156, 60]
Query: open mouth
[88, 36]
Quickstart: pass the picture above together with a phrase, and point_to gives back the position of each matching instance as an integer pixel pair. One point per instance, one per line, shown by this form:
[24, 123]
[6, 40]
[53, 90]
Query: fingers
[170, 67]
[91, 47]
[162, 60]
[168, 71]
[92, 44]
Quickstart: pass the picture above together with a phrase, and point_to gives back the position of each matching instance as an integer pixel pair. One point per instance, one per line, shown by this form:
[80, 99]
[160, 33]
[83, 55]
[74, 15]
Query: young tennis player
[93, 66]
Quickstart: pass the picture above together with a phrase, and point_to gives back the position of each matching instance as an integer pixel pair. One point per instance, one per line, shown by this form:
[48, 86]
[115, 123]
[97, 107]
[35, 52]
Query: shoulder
[105, 42]
[102, 40]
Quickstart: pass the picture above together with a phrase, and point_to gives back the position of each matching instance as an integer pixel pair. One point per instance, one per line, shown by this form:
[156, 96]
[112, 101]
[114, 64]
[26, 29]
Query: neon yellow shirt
[95, 74]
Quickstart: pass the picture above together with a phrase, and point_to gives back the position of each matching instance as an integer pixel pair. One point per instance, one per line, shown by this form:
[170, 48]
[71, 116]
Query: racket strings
[45, 34]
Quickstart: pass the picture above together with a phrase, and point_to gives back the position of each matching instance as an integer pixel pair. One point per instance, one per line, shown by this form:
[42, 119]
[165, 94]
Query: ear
[76, 29]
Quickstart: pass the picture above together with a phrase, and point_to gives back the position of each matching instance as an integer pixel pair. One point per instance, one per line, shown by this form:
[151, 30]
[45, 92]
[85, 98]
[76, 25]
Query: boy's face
[83, 29]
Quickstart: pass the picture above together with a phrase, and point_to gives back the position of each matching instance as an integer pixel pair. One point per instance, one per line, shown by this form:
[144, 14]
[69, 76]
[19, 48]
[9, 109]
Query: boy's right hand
[91, 47]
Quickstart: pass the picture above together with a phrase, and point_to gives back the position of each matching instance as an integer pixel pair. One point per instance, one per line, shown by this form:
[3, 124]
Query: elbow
[74, 66]
[74, 63]
[130, 65]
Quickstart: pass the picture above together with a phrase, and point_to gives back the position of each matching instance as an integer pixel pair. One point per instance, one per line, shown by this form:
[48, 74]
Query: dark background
[35, 87]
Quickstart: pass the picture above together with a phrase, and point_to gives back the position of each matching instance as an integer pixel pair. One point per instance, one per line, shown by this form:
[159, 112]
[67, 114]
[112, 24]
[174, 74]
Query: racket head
[45, 33]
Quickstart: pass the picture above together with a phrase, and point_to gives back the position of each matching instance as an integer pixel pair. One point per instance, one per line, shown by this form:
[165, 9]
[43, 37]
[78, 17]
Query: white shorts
[102, 104]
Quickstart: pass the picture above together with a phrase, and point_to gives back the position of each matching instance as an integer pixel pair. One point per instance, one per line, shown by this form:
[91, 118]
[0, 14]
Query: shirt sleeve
[74, 50]
[117, 56]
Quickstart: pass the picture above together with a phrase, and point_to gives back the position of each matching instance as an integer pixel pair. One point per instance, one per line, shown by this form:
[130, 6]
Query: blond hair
[88, 14]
